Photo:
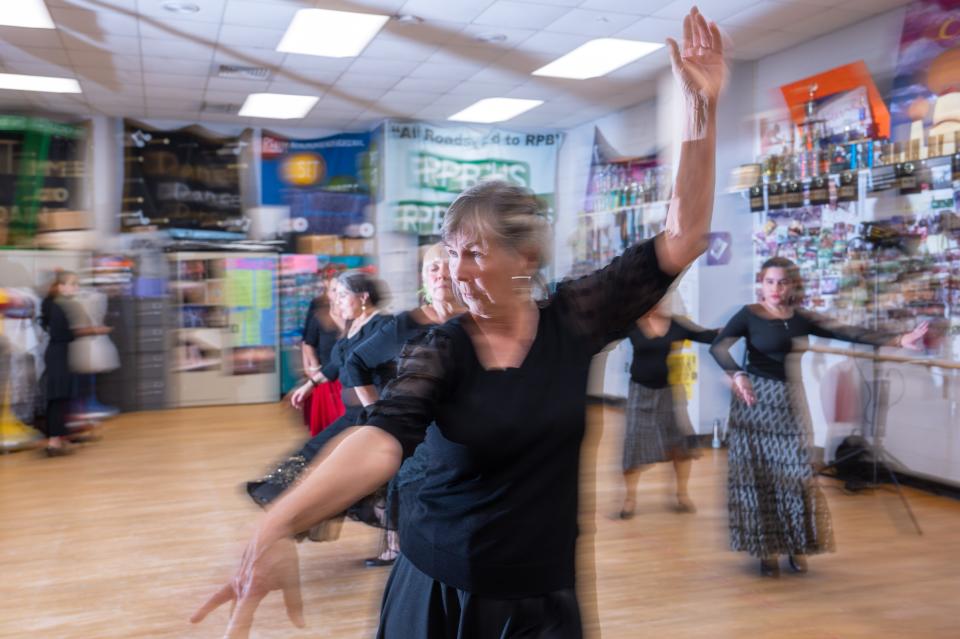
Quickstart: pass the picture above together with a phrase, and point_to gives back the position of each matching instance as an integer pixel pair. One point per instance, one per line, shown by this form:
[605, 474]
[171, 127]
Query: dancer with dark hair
[488, 548]
[775, 506]
[323, 327]
[658, 427]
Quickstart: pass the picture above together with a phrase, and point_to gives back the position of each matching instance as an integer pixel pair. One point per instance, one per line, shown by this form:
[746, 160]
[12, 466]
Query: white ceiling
[133, 58]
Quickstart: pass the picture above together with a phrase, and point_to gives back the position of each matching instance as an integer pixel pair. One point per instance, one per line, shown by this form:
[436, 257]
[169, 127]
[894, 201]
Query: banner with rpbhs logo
[427, 166]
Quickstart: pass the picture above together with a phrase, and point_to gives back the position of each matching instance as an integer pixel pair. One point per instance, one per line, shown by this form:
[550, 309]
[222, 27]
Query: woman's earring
[363, 308]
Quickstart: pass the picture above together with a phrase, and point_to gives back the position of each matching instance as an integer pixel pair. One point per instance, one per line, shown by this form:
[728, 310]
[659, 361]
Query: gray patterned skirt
[774, 502]
[657, 426]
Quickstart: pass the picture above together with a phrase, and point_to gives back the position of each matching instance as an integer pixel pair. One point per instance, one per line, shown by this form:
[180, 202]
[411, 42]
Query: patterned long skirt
[657, 426]
[774, 502]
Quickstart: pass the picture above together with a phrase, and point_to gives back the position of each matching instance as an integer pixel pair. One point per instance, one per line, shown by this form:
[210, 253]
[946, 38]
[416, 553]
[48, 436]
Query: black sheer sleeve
[728, 336]
[604, 305]
[695, 332]
[408, 405]
[331, 368]
[359, 367]
[823, 326]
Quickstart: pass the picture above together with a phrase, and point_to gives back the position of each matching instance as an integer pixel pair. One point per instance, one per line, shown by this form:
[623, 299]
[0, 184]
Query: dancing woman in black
[372, 364]
[488, 548]
[657, 424]
[774, 504]
[358, 297]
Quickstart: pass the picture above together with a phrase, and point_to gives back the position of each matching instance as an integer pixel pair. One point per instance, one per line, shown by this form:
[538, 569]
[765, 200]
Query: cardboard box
[63, 220]
[320, 244]
[357, 247]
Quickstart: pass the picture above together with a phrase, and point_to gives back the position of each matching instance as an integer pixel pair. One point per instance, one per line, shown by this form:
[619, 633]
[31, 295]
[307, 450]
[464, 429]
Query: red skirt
[325, 406]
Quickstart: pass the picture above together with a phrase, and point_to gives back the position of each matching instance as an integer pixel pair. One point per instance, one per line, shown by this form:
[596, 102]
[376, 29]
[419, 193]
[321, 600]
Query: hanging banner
[926, 88]
[326, 182]
[427, 166]
[41, 174]
[182, 179]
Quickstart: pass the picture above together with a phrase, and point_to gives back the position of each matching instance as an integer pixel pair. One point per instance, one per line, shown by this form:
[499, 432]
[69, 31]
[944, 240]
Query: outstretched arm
[699, 68]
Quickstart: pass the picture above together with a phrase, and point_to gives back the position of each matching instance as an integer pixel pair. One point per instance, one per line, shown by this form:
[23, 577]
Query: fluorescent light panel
[32, 14]
[597, 57]
[490, 110]
[17, 82]
[279, 106]
[332, 34]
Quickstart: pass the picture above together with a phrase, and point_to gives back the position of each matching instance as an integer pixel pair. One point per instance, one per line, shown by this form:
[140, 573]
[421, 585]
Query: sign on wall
[326, 182]
[427, 166]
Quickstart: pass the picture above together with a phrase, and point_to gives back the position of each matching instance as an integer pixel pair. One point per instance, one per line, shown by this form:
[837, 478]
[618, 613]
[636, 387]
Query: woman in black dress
[61, 384]
[658, 426]
[775, 506]
[488, 548]
[323, 327]
[358, 297]
[374, 363]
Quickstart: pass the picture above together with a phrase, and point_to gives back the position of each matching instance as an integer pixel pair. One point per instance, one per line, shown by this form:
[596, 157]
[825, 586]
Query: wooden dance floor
[127, 537]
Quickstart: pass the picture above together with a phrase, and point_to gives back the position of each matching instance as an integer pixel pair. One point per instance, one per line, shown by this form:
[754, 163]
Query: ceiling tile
[104, 59]
[394, 48]
[395, 68]
[435, 31]
[317, 80]
[343, 103]
[174, 80]
[225, 97]
[524, 15]
[94, 22]
[162, 28]
[597, 24]
[244, 56]
[252, 13]
[508, 38]
[53, 56]
[452, 10]
[368, 80]
[119, 44]
[646, 7]
[40, 38]
[769, 15]
[494, 75]
[463, 56]
[175, 48]
[176, 66]
[313, 62]
[240, 36]
[431, 85]
[821, 22]
[478, 90]
[445, 71]
[555, 44]
[239, 86]
[651, 30]
[39, 67]
[715, 10]
[172, 93]
[282, 85]
[406, 99]
[109, 76]
[210, 10]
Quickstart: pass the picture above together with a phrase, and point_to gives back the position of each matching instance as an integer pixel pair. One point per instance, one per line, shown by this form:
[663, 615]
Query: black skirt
[416, 606]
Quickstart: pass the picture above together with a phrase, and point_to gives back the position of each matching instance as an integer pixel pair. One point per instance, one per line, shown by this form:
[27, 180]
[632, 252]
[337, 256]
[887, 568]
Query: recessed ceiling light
[332, 34]
[31, 14]
[16, 82]
[597, 57]
[279, 106]
[181, 7]
[490, 110]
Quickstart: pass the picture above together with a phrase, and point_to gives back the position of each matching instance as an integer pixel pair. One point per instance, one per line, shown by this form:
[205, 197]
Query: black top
[55, 320]
[375, 360]
[320, 338]
[342, 349]
[496, 513]
[649, 365]
[771, 341]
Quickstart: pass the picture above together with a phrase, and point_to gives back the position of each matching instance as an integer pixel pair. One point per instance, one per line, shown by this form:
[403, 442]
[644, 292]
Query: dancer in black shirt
[488, 550]
[657, 424]
[775, 506]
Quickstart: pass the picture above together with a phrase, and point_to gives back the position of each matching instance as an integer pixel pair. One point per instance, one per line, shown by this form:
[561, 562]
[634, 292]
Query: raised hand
[300, 395]
[261, 570]
[698, 64]
[913, 340]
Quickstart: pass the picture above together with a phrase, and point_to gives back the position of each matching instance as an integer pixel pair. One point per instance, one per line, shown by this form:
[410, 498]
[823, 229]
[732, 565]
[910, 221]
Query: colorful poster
[326, 182]
[427, 166]
[250, 288]
[927, 84]
[182, 179]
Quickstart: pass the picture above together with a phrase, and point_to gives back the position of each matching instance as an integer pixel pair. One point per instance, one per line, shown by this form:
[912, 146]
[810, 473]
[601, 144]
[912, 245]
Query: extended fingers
[674, 50]
[220, 597]
[293, 601]
[242, 618]
[716, 38]
[701, 29]
[688, 42]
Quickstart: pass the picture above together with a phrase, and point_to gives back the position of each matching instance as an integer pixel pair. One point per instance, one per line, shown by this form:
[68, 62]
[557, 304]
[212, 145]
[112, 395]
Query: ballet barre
[903, 359]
